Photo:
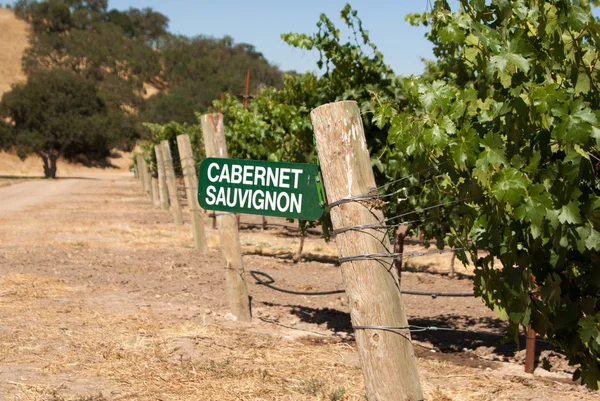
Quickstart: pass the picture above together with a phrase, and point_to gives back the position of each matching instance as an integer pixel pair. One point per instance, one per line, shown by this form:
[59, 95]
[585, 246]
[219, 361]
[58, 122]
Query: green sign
[258, 187]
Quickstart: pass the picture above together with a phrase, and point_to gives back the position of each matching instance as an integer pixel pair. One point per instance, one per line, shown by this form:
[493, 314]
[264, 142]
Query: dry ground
[103, 298]
[13, 37]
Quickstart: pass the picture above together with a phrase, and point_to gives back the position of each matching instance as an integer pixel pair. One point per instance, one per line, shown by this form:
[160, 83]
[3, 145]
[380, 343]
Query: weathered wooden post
[452, 260]
[142, 162]
[171, 183]
[155, 195]
[163, 192]
[191, 188]
[388, 361]
[147, 179]
[139, 166]
[136, 170]
[215, 145]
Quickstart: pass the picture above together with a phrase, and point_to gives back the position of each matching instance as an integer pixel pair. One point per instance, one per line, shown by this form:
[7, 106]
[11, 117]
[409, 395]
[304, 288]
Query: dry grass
[13, 36]
[146, 357]
[60, 341]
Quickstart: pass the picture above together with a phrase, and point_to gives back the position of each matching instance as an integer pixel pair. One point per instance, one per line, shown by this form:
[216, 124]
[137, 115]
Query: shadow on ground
[479, 332]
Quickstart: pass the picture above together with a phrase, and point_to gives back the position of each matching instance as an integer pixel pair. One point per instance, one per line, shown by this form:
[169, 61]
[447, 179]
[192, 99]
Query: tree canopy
[198, 70]
[119, 53]
[58, 113]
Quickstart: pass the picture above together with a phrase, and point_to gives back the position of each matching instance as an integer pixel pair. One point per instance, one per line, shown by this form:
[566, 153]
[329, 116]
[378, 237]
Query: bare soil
[102, 297]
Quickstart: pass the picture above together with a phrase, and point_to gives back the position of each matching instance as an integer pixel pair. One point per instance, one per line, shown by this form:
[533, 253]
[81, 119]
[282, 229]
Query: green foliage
[277, 124]
[169, 132]
[198, 70]
[507, 123]
[80, 36]
[58, 113]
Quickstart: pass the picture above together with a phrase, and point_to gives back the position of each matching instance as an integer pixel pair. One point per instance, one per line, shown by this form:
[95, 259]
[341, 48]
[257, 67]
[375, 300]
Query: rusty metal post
[530, 350]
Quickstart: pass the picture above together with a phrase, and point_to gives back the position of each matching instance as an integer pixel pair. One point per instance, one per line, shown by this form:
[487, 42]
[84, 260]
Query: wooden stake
[155, 195]
[215, 145]
[139, 168]
[147, 179]
[451, 274]
[171, 183]
[142, 172]
[163, 192]
[191, 188]
[388, 361]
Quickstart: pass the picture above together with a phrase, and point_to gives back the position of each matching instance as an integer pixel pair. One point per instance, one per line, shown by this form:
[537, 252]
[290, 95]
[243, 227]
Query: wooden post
[155, 195]
[191, 188]
[163, 192]
[451, 274]
[139, 166]
[142, 164]
[147, 179]
[171, 183]
[388, 361]
[215, 145]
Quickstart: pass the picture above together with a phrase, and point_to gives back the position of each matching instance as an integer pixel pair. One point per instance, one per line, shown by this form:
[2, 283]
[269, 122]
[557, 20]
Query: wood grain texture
[155, 196]
[388, 362]
[171, 183]
[147, 179]
[163, 192]
[216, 146]
[191, 188]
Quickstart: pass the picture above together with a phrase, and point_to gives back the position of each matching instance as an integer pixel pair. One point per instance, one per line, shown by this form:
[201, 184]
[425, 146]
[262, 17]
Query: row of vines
[495, 148]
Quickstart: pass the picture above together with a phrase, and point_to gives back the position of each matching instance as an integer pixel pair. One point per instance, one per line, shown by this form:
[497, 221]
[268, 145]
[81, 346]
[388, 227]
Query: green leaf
[510, 185]
[569, 214]
[589, 329]
[577, 17]
[583, 83]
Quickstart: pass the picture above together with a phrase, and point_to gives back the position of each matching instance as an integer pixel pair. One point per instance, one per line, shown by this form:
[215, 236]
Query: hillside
[13, 36]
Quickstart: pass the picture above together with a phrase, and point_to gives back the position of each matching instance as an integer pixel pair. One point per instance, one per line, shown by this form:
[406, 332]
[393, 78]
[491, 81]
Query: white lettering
[286, 198]
[270, 199]
[259, 174]
[212, 178]
[231, 200]
[258, 203]
[221, 197]
[244, 196]
[248, 175]
[283, 177]
[224, 174]
[296, 172]
[296, 203]
[210, 194]
[272, 174]
[236, 174]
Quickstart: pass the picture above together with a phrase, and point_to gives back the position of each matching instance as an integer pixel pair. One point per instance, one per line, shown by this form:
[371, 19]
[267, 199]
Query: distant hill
[13, 36]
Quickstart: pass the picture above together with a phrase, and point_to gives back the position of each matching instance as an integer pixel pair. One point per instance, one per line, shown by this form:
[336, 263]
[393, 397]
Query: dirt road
[26, 194]
[103, 298]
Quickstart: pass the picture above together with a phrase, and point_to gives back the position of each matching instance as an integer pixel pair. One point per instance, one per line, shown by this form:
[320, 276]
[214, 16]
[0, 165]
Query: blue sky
[260, 23]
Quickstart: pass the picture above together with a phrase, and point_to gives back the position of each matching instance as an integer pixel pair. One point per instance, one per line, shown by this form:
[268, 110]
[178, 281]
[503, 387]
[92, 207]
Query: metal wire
[415, 329]
[269, 284]
[271, 280]
[379, 256]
